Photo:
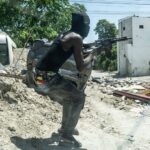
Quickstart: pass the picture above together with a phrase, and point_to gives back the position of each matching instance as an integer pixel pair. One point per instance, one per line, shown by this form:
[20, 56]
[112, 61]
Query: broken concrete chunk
[10, 97]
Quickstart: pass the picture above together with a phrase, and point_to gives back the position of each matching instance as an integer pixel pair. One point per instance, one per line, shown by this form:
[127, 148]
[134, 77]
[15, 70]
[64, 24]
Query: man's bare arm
[75, 41]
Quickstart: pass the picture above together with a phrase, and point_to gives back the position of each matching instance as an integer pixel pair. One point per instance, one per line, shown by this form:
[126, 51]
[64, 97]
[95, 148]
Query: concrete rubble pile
[27, 119]
[23, 110]
[108, 83]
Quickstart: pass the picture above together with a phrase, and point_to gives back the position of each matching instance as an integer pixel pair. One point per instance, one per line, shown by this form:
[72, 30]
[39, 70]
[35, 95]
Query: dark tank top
[55, 57]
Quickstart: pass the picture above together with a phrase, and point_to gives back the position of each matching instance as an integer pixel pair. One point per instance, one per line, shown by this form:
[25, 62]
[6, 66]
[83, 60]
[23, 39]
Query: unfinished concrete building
[134, 55]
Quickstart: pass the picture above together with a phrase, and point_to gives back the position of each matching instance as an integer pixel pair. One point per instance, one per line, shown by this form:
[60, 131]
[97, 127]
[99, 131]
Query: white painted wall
[134, 55]
[5, 39]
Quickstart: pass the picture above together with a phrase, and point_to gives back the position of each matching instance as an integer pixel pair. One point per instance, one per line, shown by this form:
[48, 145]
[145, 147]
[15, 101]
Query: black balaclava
[80, 23]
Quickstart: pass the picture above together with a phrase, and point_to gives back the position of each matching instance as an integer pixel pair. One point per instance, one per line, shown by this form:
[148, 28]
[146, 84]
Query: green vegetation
[33, 19]
[106, 60]
[27, 20]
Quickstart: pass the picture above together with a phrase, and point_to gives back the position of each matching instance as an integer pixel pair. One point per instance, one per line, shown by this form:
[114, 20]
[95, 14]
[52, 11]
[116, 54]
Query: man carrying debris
[62, 48]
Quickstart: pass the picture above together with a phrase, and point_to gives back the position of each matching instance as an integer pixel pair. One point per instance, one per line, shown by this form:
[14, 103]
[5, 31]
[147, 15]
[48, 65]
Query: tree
[105, 29]
[107, 60]
[32, 19]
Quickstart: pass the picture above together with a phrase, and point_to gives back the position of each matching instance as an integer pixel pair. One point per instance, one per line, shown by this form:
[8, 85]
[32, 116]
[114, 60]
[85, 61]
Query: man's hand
[86, 54]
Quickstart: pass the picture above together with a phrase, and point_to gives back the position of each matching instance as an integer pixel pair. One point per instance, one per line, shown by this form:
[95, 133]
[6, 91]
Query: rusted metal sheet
[141, 97]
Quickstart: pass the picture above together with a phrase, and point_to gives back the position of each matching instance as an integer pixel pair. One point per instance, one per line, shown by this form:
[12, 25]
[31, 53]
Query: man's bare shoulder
[71, 39]
[72, 36]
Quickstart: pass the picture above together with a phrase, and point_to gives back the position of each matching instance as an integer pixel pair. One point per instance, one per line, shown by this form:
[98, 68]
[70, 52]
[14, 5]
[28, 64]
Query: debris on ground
[30, 121]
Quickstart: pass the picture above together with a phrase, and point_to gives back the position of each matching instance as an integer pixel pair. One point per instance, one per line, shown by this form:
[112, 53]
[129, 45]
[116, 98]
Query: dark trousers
[72, 99]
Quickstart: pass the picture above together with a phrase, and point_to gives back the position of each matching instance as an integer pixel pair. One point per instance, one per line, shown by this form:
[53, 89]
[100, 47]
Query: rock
[12, 128]
[131, 138]
[138, 101]
[129, 102]
[10, 97]
[102, 126]
[109, 92]
[2, 71]
[123, 98]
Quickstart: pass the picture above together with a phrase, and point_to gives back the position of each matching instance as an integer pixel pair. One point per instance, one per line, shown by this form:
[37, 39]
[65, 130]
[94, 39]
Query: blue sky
[112, 10]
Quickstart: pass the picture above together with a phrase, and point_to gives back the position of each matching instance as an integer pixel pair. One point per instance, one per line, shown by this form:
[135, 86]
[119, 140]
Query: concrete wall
[125, 29]
[134, 56]
[141, 46]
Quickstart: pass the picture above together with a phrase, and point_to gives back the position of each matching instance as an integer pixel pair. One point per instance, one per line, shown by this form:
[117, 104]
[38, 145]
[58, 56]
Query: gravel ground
[29, 121]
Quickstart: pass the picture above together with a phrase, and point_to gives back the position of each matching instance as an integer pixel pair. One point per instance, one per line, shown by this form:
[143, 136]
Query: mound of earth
[29, 121]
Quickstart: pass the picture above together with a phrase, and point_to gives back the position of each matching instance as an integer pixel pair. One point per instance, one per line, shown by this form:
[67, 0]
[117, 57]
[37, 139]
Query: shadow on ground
[41, 144]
